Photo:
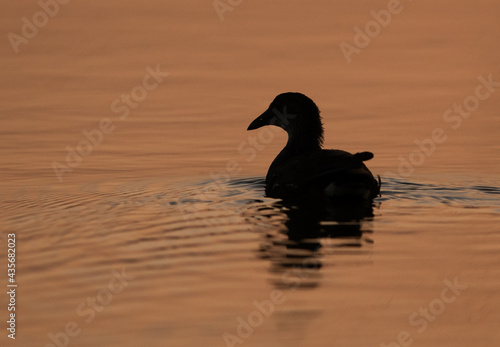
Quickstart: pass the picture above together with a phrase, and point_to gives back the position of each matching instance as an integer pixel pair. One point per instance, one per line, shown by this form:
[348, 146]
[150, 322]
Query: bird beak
[262, 120]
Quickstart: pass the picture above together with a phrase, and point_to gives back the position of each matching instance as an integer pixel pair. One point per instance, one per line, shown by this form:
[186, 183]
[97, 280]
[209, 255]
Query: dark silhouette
[303, 171]
[310, 236]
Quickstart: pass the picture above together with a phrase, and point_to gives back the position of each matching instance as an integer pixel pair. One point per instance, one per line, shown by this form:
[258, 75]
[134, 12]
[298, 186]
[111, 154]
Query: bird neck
[301, 144]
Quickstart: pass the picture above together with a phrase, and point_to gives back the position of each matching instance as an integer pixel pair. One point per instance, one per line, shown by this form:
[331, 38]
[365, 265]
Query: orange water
[200, 253]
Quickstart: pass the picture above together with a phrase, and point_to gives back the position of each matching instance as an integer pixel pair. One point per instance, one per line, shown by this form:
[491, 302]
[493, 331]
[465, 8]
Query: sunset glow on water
[136, 194]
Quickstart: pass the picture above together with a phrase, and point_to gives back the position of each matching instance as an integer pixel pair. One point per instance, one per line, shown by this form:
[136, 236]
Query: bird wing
[318, 169]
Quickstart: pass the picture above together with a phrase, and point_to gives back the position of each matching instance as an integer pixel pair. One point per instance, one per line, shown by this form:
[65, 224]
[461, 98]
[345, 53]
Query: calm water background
[199, 252]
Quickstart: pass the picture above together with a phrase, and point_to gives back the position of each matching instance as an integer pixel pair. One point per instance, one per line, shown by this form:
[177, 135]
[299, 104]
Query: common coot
[303, 169]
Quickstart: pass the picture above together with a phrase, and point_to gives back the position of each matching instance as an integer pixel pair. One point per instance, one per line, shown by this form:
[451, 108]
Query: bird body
[303, 169]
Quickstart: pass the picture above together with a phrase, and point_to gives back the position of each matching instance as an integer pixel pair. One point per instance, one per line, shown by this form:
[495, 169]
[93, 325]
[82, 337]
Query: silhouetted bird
[304, 170]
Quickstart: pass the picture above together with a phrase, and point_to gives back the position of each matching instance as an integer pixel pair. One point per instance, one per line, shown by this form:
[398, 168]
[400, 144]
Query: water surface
[164, 223]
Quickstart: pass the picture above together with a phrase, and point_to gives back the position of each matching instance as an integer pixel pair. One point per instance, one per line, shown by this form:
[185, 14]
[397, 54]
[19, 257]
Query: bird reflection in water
[310, 234]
